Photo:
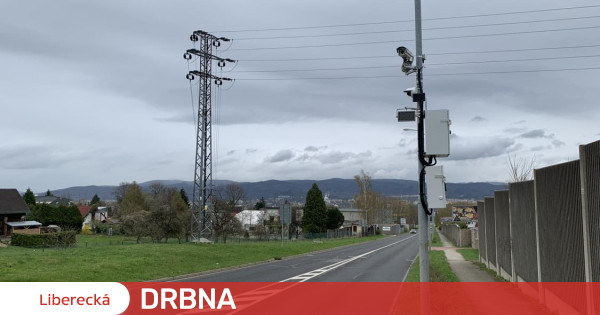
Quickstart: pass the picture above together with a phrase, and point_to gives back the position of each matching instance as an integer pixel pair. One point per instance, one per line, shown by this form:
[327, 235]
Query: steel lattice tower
[201, 199]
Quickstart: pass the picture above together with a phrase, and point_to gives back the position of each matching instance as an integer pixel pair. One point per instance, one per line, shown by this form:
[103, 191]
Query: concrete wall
[460, 237]
[548, 230]
[475, 238]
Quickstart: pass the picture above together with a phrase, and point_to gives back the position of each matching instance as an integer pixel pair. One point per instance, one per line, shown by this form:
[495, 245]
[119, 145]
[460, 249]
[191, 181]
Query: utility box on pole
[436, 187]
[437, 133]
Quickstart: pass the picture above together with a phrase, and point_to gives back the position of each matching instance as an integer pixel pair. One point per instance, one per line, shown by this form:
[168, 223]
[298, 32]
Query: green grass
[105, 259]
[470, 254]
[435, 240]
[439, 269]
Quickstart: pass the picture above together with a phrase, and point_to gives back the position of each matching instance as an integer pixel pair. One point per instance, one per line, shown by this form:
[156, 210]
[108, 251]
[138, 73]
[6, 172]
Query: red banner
[363, 298]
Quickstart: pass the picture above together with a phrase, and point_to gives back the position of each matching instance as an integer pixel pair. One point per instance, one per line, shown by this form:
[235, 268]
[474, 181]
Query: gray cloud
[557, 143]
[334, 157]
[540, 148]
[537, 133]
[118, 65]
[515, 130]
[468, 149]
[281, 156]
[37, 157]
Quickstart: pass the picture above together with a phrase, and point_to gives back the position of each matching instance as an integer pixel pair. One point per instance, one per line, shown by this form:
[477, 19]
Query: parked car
[413, 231]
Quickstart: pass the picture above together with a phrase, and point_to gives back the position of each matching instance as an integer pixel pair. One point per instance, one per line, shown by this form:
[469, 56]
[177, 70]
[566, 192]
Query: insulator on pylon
[194, 38]
[221, 63]
[218, 82]
[216, 43]
[189, 76]
[187, 56]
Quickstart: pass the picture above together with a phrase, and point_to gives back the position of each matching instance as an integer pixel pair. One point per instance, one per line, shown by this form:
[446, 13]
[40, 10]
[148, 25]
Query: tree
[224, 222]
[180, 227]
[48, 193]
[29, 197]
[67, 217]
[261, 204]
[95, 200]
[365, 198]
[314, 218]
[93, 211]
[184, 197]
[335, 218]
[133, 200]
[520, 169]
[168, 215]
[120, 191]
[136, 224]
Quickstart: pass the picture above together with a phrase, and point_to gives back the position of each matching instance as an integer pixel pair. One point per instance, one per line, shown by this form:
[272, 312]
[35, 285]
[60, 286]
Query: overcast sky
[94, 92]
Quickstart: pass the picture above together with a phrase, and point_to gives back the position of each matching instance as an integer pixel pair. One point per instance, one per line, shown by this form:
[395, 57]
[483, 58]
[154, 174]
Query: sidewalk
[465, 271]
[484, 295]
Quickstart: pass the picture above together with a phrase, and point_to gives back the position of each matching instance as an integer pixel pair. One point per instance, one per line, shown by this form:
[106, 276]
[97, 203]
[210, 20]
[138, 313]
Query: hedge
[64, 238]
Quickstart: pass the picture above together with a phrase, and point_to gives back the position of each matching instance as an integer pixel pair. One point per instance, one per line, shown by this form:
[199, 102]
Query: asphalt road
[383, 260]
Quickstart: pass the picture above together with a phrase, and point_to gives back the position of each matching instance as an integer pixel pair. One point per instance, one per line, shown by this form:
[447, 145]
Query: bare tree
[520, 169]
[224, 222]
[364, 200]
[120, 191]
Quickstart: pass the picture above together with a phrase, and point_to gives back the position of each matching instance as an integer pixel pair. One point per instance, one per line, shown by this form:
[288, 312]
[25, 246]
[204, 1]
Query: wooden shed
[24, 227]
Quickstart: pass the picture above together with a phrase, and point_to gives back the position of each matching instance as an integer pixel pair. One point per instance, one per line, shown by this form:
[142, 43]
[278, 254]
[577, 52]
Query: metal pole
[423, 217]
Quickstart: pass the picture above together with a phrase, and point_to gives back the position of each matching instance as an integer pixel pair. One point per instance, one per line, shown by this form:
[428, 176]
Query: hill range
[295, 190]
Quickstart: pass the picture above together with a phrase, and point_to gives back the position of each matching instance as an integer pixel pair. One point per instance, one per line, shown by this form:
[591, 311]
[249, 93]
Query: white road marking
[317, 272]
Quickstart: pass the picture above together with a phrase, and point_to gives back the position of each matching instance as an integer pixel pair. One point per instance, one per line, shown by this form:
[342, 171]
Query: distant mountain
[337, 188]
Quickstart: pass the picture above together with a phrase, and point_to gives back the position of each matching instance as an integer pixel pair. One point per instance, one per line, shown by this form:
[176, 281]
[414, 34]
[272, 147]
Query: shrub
[65, 238]
[86, 230]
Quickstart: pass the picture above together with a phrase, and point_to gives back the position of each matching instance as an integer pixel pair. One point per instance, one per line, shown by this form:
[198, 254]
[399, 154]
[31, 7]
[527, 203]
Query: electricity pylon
[201, 198]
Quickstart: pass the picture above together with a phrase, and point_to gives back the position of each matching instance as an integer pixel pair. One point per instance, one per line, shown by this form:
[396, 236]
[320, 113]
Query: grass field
[439, 269]
[121, 259]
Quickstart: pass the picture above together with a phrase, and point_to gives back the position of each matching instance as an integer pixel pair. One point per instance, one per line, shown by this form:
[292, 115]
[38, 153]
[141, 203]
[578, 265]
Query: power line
[434, 38]
[432, 74]
[429, 54]
[406, 21]
[511, 50]
[425, 29]
[431, 64]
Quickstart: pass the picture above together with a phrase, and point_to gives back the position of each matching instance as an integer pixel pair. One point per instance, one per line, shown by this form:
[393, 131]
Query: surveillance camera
[410, 91]
[405, 53]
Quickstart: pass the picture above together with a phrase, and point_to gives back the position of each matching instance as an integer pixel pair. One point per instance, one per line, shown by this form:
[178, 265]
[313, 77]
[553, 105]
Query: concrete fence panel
[503, 241]
[481, 227]
[523, 231]
[490, 232]
[560, 228]
[590, 184]
[589, 157]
